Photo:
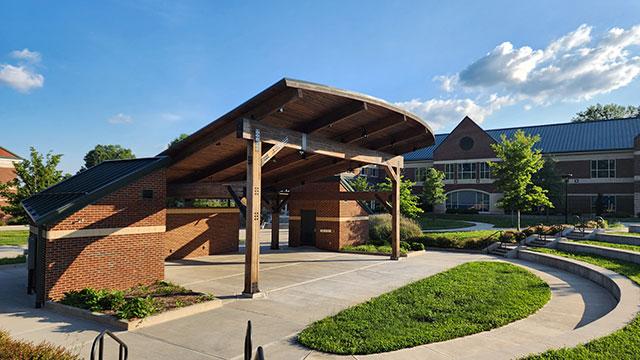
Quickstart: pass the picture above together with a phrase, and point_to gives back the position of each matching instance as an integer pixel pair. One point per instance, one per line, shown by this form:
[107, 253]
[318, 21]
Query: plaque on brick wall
[325, 230]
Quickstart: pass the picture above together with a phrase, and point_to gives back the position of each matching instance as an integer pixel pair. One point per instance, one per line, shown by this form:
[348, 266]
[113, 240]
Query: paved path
[476, 226]
[301, 287]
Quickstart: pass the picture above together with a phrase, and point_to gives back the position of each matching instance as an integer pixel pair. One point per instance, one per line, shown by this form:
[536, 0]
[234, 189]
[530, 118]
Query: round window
[466, 143]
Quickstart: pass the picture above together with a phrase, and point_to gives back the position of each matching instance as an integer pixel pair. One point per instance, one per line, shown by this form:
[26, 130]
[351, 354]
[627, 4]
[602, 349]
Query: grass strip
[14, 237]
[608, 244]
[622, 344]
[429, 223]
[464, 300]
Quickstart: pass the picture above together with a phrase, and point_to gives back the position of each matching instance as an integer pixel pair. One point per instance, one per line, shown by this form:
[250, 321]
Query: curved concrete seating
[618, 239]
[613, 253]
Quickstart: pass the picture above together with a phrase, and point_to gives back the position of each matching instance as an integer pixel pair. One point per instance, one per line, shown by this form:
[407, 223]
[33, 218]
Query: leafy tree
[433, 189]
[514, 173]
[408, 201]
[606, 112]
[106, 152]
[33, 175]
[178, 139]
[549, 179]
[360, 183]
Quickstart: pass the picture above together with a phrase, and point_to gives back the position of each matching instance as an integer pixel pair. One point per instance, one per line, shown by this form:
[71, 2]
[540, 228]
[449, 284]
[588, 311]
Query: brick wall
[110, 261]
[335, 226]
[200, 232]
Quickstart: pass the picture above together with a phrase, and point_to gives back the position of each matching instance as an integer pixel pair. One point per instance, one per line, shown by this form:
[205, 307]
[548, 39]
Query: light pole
[566, 178]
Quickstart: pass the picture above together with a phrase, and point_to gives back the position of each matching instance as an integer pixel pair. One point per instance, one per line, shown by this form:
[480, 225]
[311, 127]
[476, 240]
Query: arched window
[468, 199]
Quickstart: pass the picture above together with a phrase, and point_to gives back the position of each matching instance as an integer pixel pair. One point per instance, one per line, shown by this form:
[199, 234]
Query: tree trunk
[518, 215]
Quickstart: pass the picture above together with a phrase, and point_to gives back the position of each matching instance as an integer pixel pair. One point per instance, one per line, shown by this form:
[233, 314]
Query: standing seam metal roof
[602, 135]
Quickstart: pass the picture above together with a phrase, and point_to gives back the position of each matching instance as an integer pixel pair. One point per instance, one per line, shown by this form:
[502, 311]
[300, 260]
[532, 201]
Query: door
[308, 227]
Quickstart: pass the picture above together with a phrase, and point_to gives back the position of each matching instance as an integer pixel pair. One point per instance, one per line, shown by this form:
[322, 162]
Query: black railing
[248, 346]
[98, 344]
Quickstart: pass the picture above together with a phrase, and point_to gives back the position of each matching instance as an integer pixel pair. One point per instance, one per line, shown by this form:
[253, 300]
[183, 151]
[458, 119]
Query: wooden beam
[275, 223]
[273, 151]
[325, 167]
[394, 174]
[207, 171]
[341, 195]
[334, 116]
[200, 190]
[398, 140]
[254, 199]
[237, 200]
[249, 130]
[385, 204]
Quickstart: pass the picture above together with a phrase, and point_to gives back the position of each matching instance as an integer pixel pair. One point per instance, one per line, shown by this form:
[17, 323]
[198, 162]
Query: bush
[17, 349]
[137, 307]
[417, 246]
[512, 236]
[380, 229]
[405, 245]
[474, 240]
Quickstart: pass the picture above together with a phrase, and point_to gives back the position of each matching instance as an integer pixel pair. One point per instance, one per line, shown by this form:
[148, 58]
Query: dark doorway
[308, 227]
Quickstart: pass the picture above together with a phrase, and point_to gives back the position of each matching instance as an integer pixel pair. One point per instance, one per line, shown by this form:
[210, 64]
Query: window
[608, 204]
[147, 194]
[467, 171]
[485, 171]
[468, 199]
[421, 174]
[603, 168]
[449, 171]
[369, 171]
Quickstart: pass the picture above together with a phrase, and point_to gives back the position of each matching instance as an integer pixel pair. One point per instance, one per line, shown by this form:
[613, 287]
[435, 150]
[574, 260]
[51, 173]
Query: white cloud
[574, 67]
[27, 55]
[120, 119]
[20, 78]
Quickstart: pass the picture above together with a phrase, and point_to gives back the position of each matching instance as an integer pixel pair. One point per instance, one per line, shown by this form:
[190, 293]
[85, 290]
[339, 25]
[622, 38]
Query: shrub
[405, 245]
[380, 229]
[457, 240]
[17, 349]
[417, 246]
[137, 307]
[94, 300]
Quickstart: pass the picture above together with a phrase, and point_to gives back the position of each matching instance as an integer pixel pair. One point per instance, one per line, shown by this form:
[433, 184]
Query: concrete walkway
[301, 287]
[476, 226]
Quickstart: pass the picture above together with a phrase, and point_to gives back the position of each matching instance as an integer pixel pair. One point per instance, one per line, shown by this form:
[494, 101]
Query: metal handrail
[123, 351]
[248, 345]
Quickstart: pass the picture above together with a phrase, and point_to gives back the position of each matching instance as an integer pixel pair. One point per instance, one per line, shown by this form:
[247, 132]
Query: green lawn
[457, 240]
[14, 237]
[611, 245]
[622, 344]
[622, 233]
[14, 260]
[507, 221]
[467, 299]
[429, 223]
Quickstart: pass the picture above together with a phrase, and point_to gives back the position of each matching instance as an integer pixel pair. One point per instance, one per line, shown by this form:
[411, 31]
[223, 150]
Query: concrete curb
[618, 239]
[130, 325]
[618, 254]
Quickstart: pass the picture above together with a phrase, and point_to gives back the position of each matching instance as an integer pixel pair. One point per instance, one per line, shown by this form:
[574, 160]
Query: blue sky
[74, 74]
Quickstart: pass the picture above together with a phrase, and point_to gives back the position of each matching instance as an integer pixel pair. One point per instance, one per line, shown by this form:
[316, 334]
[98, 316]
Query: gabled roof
[601, 135]
[6, 154]
[78, 191]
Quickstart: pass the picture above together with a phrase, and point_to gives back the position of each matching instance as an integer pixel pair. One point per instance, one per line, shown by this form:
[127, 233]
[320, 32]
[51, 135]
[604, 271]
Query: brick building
[603, 158]
[7, 170]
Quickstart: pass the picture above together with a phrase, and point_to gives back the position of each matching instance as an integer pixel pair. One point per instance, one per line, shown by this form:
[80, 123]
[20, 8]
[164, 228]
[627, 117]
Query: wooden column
[275, 224]
[254, 200]
[394, 174]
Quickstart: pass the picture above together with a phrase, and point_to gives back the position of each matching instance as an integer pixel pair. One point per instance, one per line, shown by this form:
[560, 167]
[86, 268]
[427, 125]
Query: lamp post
[566, 178]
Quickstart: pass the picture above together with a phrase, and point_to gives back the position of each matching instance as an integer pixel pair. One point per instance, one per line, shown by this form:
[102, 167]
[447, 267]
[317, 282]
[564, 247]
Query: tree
[32, 176]
[360, 183]
[433, 189]
[549, 179]
[106, 152]
[514, 173]
[606, 112]
[408, 201]
[178, 139]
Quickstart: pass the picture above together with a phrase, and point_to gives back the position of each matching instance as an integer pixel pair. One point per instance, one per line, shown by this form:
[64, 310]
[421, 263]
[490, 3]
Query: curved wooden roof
[214, 153]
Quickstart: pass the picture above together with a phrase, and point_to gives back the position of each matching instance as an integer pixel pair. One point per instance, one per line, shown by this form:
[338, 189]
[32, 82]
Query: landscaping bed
[17, 349]
[371, 249]
[622, 344]
[464, 300]
[135, 303]
[470, 240]
[14, 237]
